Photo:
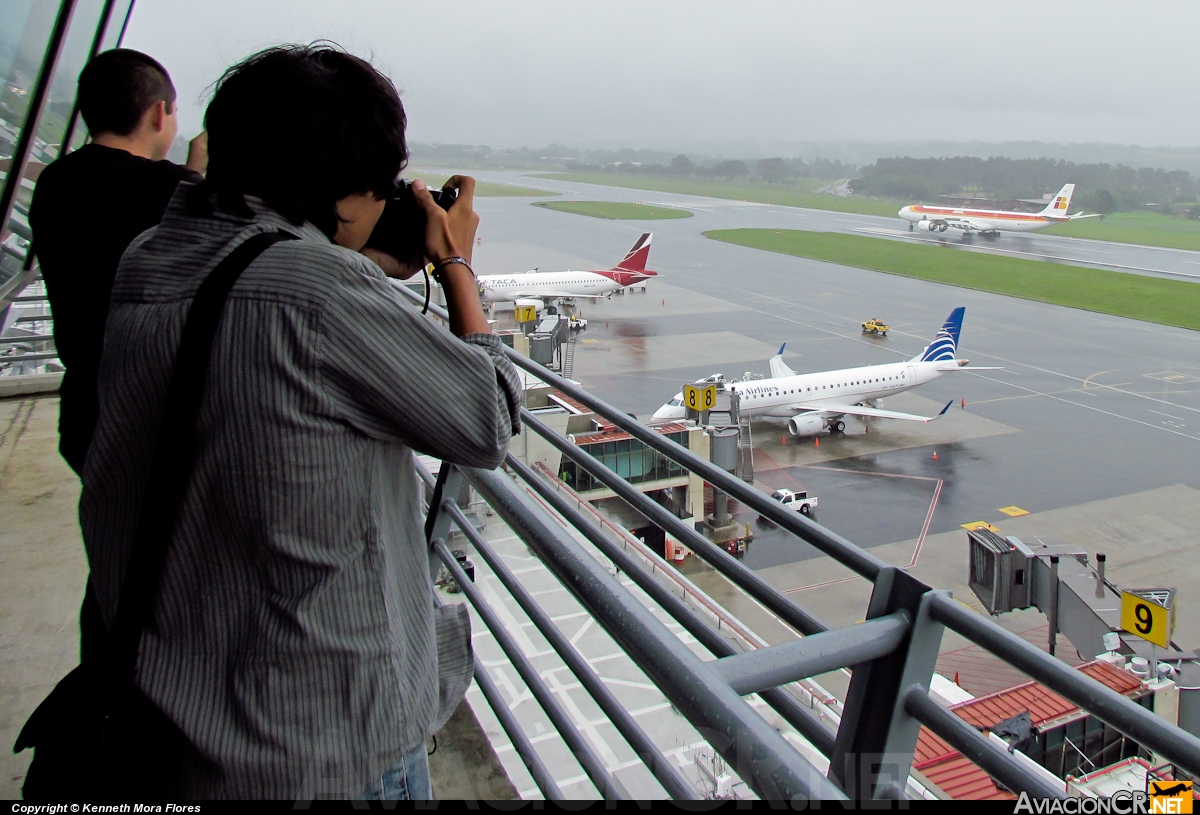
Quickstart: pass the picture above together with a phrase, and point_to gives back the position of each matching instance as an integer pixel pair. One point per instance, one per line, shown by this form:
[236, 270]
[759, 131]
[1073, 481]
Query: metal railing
[23, 353]
[892, 654]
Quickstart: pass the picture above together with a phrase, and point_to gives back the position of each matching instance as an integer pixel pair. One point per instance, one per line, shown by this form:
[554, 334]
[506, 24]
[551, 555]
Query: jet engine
[931, 226]
[806, 424]
[526, 302]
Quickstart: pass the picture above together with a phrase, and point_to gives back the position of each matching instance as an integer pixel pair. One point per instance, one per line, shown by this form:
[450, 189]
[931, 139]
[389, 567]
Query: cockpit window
[675, 402]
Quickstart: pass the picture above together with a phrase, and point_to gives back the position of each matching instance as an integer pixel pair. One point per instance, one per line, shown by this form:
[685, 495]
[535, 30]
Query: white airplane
[542, 286]
[818, 401]
[989, 222]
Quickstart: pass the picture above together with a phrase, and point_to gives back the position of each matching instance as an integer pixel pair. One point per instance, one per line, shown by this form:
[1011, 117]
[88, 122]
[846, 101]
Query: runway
[1088, 407]
[718, 213]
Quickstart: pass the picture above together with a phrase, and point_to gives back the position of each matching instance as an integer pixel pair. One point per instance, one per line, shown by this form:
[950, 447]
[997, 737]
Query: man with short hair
[89, 205]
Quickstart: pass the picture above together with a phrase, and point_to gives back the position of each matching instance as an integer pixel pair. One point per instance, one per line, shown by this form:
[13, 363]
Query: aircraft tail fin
[635, 259]
[945, 343]
[1061, 202]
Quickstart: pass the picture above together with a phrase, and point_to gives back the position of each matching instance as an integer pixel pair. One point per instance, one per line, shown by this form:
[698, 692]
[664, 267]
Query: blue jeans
[408, 780]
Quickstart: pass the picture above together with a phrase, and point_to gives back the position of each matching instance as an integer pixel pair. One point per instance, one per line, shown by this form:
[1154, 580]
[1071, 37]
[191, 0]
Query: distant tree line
[628, 160]
[1099, 187]
[770, 170]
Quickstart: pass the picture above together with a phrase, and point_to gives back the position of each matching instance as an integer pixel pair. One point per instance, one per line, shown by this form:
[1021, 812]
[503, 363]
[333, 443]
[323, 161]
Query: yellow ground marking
[1172, 377]
[980, 525]
[1014, 512]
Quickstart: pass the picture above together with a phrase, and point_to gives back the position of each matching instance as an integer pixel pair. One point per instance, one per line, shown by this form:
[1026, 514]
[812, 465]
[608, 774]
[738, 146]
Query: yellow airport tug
[875, 326]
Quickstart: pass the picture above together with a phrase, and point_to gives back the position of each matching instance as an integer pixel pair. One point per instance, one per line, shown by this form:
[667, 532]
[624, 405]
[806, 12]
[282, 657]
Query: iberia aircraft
[990, 222]
[543, 286]
[815, 402]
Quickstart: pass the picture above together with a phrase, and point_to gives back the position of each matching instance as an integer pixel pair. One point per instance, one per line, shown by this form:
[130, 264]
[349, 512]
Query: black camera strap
[175, 453]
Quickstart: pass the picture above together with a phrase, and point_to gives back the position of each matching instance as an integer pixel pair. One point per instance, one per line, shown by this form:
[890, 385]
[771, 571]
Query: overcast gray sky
[675, 75]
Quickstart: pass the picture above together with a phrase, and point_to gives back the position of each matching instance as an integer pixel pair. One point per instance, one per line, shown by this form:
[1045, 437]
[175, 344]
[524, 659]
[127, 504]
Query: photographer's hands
[452, 234]
[197, 158]
[449, 233]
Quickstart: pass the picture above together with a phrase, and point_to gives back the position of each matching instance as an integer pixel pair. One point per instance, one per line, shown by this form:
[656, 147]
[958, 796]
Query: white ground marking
[583, 629]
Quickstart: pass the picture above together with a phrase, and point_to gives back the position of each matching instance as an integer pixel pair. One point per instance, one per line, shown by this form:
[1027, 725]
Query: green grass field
[1145, 228]
[744, 191]
[614, 210]
[1153, 299]
[489, 189]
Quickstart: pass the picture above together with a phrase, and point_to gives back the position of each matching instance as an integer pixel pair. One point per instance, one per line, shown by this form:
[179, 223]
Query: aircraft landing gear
[911, 227]
[838, 427]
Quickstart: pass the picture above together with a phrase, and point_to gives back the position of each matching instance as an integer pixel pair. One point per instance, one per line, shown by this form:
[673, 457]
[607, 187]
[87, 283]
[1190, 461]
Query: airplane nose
[668, 412]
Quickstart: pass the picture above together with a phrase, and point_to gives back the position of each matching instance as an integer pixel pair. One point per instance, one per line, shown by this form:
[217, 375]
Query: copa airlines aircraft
[543, 286]
[990, 222]
[815, 402]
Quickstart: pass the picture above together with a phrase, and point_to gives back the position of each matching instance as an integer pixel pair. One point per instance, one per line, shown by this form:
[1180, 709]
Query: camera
[401, 229]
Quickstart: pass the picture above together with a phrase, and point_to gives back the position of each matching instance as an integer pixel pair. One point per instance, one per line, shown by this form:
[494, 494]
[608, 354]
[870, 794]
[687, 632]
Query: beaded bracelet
[437, 267]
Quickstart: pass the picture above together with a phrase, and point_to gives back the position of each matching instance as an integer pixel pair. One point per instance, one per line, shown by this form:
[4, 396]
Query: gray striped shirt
[292, 641]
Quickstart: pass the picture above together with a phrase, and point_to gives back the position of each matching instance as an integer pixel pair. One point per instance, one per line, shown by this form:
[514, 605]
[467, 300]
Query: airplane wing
[1078, 215]
[870, 413]
[778, 367]
[548, 295]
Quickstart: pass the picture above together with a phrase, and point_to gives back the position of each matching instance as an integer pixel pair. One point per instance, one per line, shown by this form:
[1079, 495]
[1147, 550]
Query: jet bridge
[726, 414]
[1058, 579]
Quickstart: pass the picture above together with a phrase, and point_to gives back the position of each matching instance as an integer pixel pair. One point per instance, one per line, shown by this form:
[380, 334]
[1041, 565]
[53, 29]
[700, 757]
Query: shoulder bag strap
[174, 454]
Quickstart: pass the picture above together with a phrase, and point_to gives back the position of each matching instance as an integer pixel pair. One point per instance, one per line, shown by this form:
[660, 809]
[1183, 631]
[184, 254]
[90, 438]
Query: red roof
[956, 776]
[1042, 703]
[569, 403]
[930, 748]
[610, 432]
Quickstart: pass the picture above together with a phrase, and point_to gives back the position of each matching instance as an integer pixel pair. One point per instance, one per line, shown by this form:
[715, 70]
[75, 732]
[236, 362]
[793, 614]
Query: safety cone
[816, 442]
[956, 679]
[783, 440]
[935, 455]
[964, 403]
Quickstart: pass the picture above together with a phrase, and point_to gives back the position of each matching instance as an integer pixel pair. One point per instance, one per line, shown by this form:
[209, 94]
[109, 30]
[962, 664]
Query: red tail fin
[635, 261]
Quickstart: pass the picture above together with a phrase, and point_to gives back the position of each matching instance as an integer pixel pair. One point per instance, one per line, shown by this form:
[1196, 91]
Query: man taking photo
[90, 204]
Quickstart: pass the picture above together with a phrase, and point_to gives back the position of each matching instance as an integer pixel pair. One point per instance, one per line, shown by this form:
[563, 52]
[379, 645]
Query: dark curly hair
[301, 127]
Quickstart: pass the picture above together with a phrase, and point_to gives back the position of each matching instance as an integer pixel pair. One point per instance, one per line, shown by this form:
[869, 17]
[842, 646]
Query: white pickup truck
[800, 501]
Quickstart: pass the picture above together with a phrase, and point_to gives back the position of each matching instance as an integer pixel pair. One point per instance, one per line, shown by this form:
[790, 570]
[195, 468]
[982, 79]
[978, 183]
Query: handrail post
[873, 749]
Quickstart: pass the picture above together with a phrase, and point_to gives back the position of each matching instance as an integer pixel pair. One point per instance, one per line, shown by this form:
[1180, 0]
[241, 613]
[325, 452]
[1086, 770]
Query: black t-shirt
[87, 208]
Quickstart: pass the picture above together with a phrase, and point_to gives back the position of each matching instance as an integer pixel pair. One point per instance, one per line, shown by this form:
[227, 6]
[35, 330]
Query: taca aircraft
[542, 286]
[815, 402]
[989, 222]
